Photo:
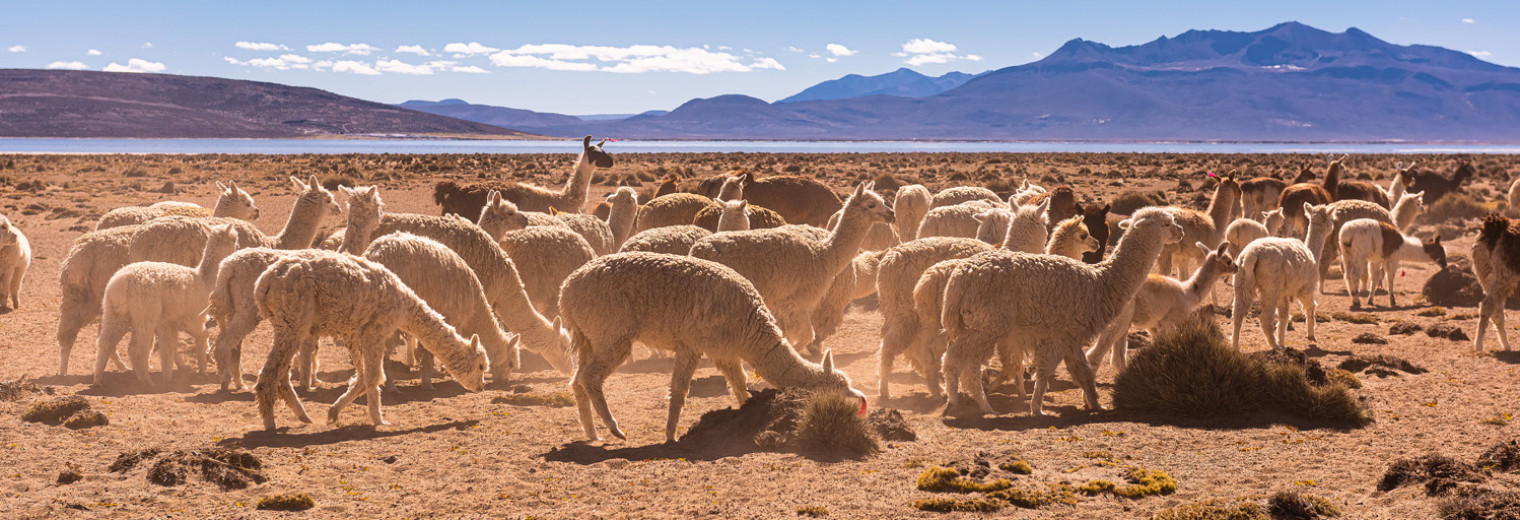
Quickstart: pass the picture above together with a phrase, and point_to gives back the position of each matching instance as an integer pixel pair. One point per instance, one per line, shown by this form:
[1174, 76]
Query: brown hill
[56, 103]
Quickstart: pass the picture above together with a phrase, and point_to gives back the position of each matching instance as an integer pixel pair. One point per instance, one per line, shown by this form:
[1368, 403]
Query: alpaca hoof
[618, 432]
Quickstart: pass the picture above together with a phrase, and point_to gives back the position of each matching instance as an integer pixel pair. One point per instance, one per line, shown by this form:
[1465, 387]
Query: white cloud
[461, 50]
[16, 48]
[93, 52]
[839, 50]
[413, 49]
[356, 67]
[469, 69]
[284, 62]
[261, 46]
[362, 49]
[921, 51]
[631, 59]
[831, 60]
[725, 48]
[790, 48]
[147, 45]
[69, 65]
[1480, 54]
[1468, 20]
[135, 65]
[401, 67]
[1037, 55]
[815, 56]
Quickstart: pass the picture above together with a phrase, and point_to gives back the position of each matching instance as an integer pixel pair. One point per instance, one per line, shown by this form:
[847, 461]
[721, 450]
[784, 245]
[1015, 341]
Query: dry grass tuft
[1292, 505]
[295, 502]
[552, 400]
[830, 424]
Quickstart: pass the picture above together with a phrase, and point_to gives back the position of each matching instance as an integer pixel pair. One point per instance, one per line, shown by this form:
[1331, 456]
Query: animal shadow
[282, 438]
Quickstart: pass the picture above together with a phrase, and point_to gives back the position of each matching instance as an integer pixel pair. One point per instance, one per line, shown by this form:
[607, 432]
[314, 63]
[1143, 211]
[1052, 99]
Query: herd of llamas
[740, 270]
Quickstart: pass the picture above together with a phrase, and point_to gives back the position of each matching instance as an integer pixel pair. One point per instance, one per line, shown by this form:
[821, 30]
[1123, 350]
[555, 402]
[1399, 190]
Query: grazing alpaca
[1297, 195]
[15, 258]
[689, 306]
[443, 280]
[1259, 195]
[1374, 245]
[963, 194]
[853, 283]
[902, 328]
[232, 202]
[622, 215]
[1162, 301]
[799, 200]
[1436, 186]
[1496, 261]
[1246, 230]
[82, 278]
[363, 304]
[157, 300]
[1057, 304]
[671, 210]
[789, 266]
[671, 240]
[1095, 217]
[1207, 227]
[467, 201]
[956, 220]
[544, 256]
[175, 239]
[911, 204]
[1279, 269]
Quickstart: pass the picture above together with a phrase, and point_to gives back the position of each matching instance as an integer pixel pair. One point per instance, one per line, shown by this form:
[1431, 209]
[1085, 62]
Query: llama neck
[780, 365]
[211, 261]
[1222, 206]
[437, 336]
[223, 207]
[1333, 180]
[301, 228]
[844, 242]
[573, 197]
[1131, 262]
[1202, 282]
[1404, 213]
[538, 333]
[1410, 250]
[358, 235]
[1315, 239]
[622, 218]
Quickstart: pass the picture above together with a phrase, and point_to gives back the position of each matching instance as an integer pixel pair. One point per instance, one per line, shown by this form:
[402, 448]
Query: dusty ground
[455, 454]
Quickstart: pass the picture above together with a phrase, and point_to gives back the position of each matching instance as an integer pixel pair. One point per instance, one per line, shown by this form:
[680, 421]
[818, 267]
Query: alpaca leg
[1113, 336]
[680, 385]
[1306, 299]
[1499, 322]
[971, 369]
[1011, 356]
[1082, 373]
[896, 337]
[1045, 364]
[1121, 353]
[229, 346]
[200, 341]
[963, 360]
[424, 358]
[598, 373]
[355, 387]
[16, 288]
[1269, 317]
[1238, 311]
[392, 343]
[1485, 312]
[166, 339]
[374, 376]
[140, 349]
[1389, 268]
[1328, 253]
[932, 353]
[1284, 317]
[275, 375]
[738, 384]
[112, 329]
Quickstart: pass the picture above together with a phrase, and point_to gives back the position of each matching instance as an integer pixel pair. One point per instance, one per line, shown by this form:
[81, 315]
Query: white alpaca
[623, 214]
[443, 280]
[500, 215]
[732, 188]
[1162, 302]
[673, 240]
[853, 283]
[1246, 230]
[1406, 209]
[1513, 197]
[82, 278]
[1340, 212]
[15, 258]
[1057, 304]
[902, 329]
[176, 239]
[595, 231]
[362, 303]
[992, 225]
[1279, 270]
[1369, 245]
[733, 215]
[1029, 228]
[962, 194]
[879, 238]
[791, 268]
[957, 220]
[157, 300]
[232, 202]
[689, 306]
[910, 204]
[544, 256]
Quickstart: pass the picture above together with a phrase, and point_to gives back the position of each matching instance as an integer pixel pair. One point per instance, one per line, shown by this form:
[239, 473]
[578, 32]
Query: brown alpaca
[1260, 195]
[799, 200]
[1063, 205]
[466, 201]
[670, 184]
[1496, 261]
[1434, 185]
[1296, 195]
[1353, 189]
[1095, 217]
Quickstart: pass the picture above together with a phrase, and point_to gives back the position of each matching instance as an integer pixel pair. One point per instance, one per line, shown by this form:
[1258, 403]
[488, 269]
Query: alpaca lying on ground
[232, 202]
[156, 301]
[467, 201]
[689, 306]
[1496, 261]
[1373, 243]
[15, 258]
[1059, 305]
[672, 240]
[1279, 269]
[1161, 302]
[789, 266]
[363, 304]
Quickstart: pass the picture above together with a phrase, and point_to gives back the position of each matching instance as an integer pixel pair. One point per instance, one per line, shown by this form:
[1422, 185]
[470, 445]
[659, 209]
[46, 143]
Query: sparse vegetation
[553, 400]
[830, 424]
[293, 502]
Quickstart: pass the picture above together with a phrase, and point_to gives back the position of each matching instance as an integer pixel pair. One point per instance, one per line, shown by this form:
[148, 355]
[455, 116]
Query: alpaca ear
[859, 189]
[221, 186]
[1206, 249]
[604, 141]
[553, 211]
[743, 204]
[1044, 205]
[828, 361]
[314, 182]
[347, 191]
[1223, 246]
[300, 186]
[1308, 208]
[586, 143]
[1127, 223]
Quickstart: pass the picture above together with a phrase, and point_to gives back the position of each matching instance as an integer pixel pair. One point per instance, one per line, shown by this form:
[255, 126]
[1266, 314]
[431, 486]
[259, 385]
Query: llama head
[1154, 218]
[836, 380]
[236, 202]
[732, 188]
[9, 235]
[1317, 214]
[594, 154]
[312, 194]
[364, 206]
[733, 215]
[1228, 183]
[1416, 198]
[1273, 220]
[867, 201]
[501, 215]
[1305, 174]
[1078, 228]
[1435, 250]
[1219, 258]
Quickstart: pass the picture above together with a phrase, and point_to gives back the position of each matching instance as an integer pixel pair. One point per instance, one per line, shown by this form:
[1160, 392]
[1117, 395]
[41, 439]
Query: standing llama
[15, 258]
[1208, 227]
[466, 201]
[1496, 261]
[1056, 304]
[363, 304]
[1260, 195]
[1436, 186]
[82, 278]
[1373, 245]
[799, 200]
[1279, 270]
[1296, 195]
[689, 306]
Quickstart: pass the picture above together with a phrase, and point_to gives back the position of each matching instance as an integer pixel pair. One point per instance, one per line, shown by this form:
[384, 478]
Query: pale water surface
[335, 146]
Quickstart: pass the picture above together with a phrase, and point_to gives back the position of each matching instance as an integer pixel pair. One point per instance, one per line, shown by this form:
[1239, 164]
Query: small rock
[1448, 331]
[389, 459]
[1368, 338]
[1404, 329]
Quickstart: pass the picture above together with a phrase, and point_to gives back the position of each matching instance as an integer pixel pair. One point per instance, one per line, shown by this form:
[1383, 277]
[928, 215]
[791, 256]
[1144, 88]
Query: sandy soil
[455, 454]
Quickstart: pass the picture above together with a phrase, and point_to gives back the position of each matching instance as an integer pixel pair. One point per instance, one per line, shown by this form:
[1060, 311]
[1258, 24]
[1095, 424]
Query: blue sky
[622, 57]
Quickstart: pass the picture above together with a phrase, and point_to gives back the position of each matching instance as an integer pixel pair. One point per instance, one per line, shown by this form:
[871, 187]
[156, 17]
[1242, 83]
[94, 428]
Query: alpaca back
[491, 265]
[180, 240]
[773, 260]
[671, 210]
[900, 268]
[596, 232]
[1035, 294]
[332, 294]
[963, 194]
[153, 290]
[1159, 298]
[445, 282]
[127, 216]
[1284, 263]
[911, 203]
[544, 256]
[799, 200]
[674, 240]
[232, 292]
[957, 220]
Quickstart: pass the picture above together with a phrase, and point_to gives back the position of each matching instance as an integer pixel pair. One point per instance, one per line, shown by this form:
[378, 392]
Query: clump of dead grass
[552, 400]
[291, 502]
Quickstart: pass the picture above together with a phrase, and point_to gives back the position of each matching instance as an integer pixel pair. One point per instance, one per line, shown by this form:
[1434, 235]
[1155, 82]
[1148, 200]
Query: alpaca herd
[751, 273]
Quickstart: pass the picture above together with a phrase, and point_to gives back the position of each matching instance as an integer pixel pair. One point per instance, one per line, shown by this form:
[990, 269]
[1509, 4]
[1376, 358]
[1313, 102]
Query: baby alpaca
[1162, 301]
[1279, 269]
[160, 299]
[15, 258]
[362, 303]
[1368, 245]
[689, 306]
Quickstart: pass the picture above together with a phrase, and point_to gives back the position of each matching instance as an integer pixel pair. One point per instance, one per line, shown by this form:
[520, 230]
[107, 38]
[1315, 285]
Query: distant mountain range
[1290, 82]
[901, 82]
[57, 103]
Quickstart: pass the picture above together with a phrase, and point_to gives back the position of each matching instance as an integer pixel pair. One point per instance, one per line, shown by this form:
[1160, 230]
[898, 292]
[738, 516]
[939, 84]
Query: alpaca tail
[953, 301]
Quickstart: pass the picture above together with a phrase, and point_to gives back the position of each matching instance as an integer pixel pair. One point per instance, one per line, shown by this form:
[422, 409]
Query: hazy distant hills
[54, 103]
[1289, 82]
[901, 82]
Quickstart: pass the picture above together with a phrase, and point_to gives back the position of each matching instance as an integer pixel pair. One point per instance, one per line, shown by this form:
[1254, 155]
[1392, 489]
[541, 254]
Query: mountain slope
[491, 115]
[55, 103]
[901, 82]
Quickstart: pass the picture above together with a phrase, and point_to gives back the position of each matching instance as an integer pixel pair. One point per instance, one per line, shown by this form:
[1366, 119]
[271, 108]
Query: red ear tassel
[1211, 174]
[862, 406]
